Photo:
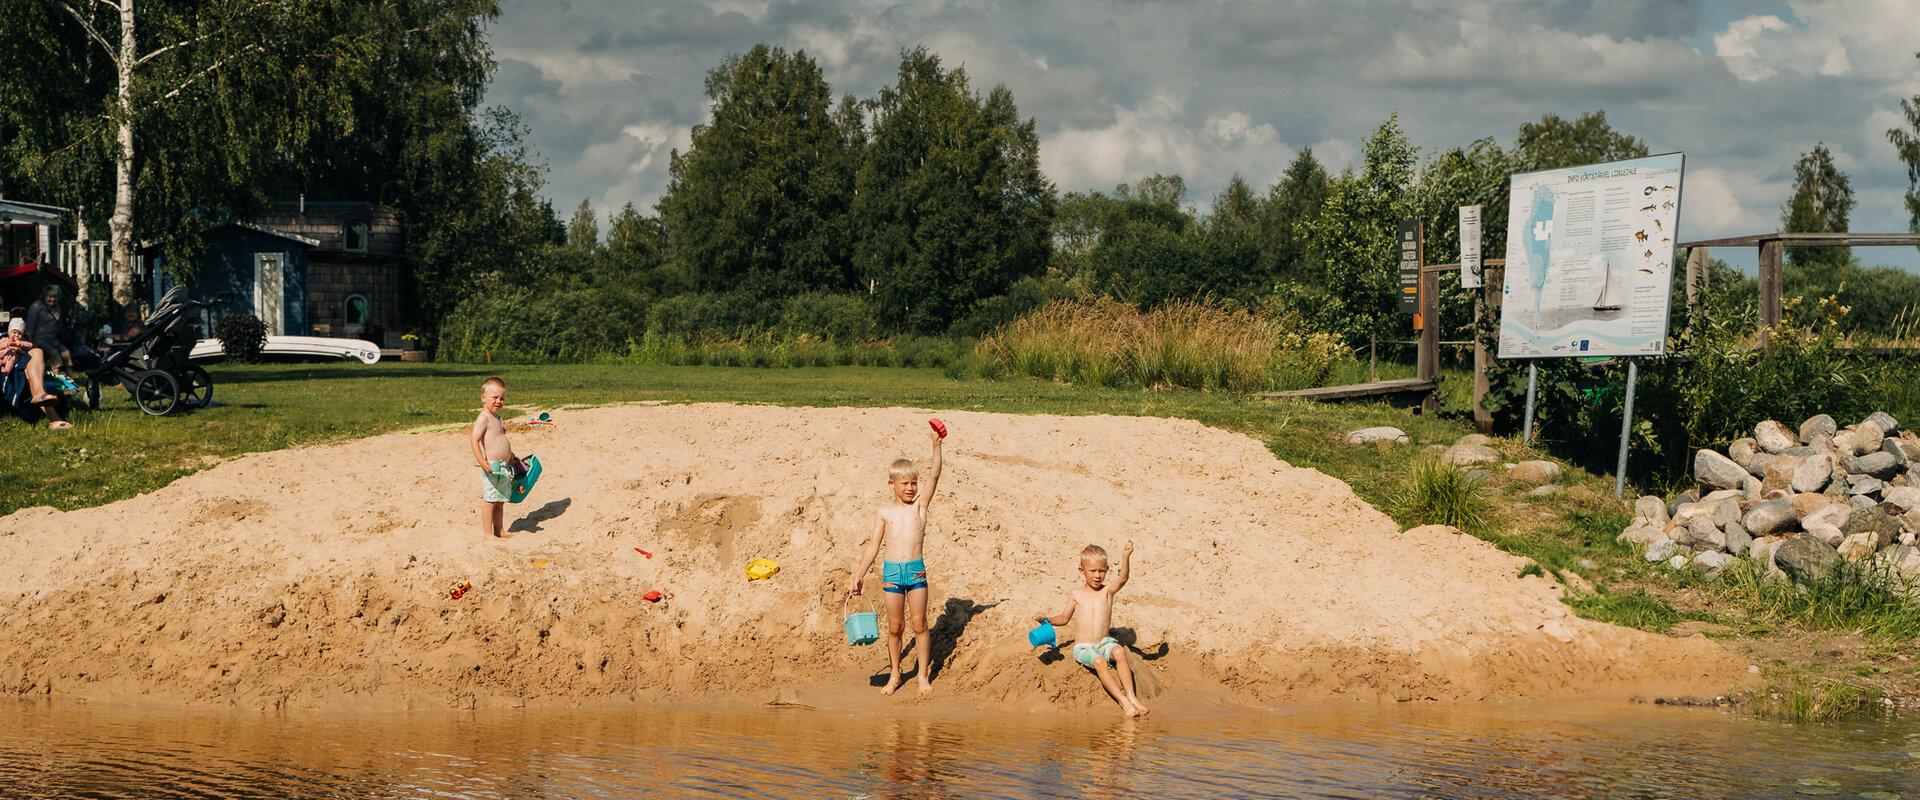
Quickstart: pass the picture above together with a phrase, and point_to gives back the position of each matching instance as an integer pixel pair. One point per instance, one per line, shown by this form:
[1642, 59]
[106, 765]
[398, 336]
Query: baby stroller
[154, 365]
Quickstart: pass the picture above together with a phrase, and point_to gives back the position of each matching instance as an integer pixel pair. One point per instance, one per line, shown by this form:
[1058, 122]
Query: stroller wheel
[156, 392]
[196, 386]
[93, 394]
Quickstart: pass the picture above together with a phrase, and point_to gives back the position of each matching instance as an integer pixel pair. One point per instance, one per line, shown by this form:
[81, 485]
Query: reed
[1193, 344]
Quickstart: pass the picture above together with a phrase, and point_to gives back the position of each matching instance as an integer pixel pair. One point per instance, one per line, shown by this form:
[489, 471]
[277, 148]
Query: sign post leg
[1526, 422]
[1626, 431]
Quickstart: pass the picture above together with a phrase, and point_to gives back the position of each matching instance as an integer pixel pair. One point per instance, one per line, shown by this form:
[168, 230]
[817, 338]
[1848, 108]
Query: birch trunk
[121, 225]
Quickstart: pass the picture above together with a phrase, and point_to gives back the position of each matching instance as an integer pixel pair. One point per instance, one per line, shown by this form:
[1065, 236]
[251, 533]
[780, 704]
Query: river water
[1345, 751]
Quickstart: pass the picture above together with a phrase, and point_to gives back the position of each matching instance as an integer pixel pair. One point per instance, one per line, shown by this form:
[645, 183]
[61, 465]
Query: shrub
[242, 336]
[833, 317]
[521, 325]
[1192, 344]
[1441, 494]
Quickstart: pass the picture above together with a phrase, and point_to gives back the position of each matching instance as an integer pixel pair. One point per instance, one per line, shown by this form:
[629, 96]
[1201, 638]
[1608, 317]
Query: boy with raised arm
[1092, 604]
[900, 528]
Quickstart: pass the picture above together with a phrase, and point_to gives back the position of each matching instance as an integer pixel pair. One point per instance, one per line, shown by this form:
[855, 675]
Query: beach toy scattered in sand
[523, 485]
[654, 596]
[541, 564]
[761, 569]
[863, 627]
[460, 590]
[1042, 635]
[642, 552]
[938, 427]
[543, 419]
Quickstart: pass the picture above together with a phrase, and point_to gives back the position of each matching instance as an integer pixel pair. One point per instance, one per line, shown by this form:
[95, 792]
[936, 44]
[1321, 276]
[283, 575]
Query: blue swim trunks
[903, 576]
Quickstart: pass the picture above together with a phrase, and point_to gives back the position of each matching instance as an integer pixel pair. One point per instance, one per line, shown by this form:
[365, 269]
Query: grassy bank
[1568, 534]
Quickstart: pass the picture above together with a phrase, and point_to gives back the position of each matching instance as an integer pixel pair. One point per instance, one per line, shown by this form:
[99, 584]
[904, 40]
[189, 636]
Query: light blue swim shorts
[1084, 652]
[496, 483]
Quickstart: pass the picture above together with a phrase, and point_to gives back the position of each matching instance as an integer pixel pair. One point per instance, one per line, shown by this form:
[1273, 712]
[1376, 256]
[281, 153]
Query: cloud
[1155, 138]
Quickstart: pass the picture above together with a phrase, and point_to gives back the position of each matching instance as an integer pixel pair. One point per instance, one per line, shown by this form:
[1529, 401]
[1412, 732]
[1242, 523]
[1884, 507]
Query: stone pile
[1795, 502]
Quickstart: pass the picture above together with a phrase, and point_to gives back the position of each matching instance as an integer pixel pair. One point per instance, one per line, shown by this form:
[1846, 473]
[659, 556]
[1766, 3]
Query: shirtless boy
[900, 528]
[494, 456]
[1092, 605]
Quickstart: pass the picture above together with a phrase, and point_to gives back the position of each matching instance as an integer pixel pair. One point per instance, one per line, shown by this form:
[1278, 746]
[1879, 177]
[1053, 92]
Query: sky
[1121, 89]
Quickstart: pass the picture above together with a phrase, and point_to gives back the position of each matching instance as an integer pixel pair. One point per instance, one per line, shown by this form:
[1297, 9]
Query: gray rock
[1548, 490]
[1705, 534]
[1642, 533]
[1844, 445]
[1651, 509]
[1475, 439]
[1536, 472]
[1856, 547]
[1761, 462]
[1879, 464]
[1477, 476]
[1800, 452]
[1774, 437]
[1861, 502]
[1812, 473]
[1461, 455]
[1778, 473]
[1867, 436]
[1873, 521]
[1907, 450]
[1738, 541]
[1751, 491]
[1678, 562]
[1660, 550]
[1804, 558]
[1720, 494]
[1835, 514]
[1742, 450]
[1687, 496]
[1887, 423]
[1818, 426]
[1381, 434]
[1866, 484]
[1761, 552]
[1829, 534]
[1900, 499]
[1770, 517]
[1712, 562]
[1718, 471]
[1588, 564]
[1905, 558]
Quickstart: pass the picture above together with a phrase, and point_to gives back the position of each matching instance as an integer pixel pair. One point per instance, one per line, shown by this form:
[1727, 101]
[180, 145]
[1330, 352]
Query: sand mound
[318, 577]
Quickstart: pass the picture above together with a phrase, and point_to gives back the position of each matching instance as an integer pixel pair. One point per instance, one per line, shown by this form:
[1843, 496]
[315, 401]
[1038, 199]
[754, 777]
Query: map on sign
[1590, 259]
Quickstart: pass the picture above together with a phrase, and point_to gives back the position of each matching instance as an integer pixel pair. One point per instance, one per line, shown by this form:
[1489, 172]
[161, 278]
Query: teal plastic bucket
[863, 627]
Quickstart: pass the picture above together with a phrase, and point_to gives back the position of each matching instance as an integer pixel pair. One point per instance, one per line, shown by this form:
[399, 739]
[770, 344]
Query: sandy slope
[317, 577]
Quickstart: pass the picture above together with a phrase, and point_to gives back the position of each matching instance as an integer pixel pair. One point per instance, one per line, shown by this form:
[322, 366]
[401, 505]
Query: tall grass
[1869, 596]
[1189, 344]
[1441, 494]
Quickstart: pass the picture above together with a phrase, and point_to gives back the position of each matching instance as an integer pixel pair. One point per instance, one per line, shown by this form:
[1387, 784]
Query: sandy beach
[318, 577]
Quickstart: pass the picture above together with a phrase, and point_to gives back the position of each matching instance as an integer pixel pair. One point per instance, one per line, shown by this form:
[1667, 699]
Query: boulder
[1761, 551]
[1812, 473]
[1879, 464]
[1720, 494]
[1757, 466]
[1705, 534]
[1480, 439]
[1687, 496]
[1651, 509]
[1742, 450]
[1778, 473]
[1804, 558]
[1660, 550]
[1642, 533]
[1738, 541]
[1386, 434]
[1842, 445]
[1867, 436]
[1818, 426]
[1861, 502]
[1770, 517]
[1834, 514]
[1888, 425]
[1873, 521]
[1548, 490]
[1718, 471]
[1678, 562]
[1856, 547]
[1866, 484]
[1910, 522]
[1804, 504]
[1477, 476]
[1751, 489]
[1905, 558]
[1829, 534]
[1712, 562]
[1903, 451]
[1900, 499]
[1536, 472]
[1461, 455]
[1774, 437]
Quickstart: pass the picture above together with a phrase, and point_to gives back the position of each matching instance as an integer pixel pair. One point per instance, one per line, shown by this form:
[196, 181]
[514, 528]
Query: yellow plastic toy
[761, 569]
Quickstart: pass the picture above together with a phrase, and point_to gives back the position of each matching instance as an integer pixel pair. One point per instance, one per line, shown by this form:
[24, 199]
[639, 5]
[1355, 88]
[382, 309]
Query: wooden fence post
[1769, 289]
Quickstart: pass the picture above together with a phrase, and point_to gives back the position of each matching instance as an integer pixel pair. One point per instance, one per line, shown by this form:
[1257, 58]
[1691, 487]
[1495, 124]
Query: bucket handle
[870, 606]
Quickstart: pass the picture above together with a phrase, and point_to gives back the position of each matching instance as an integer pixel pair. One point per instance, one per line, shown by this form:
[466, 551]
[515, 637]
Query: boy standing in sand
[901, 527]
[494, 456]
[1093, 604]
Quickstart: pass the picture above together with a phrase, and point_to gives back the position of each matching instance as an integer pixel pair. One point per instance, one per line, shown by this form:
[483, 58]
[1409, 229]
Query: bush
[521, 325]
[1441, 494]
[833, 317]
[1022, 298]
[242, 336]
[1192, 344]
[695, 316]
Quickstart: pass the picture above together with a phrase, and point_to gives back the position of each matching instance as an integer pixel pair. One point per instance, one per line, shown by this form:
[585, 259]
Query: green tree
[951, 206]
[1822, 200]
[1906, 141]
[1292, 204]
[1553, 143]
[1351, 276]
[583, 231]
[758, 203]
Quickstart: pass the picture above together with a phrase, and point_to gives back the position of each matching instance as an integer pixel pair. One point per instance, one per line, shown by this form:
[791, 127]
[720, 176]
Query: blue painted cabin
[262, 269]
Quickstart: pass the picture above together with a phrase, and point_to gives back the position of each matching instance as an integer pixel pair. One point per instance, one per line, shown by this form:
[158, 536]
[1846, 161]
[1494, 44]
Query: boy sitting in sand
[1093, 604]
[494, 456]
[901, 527]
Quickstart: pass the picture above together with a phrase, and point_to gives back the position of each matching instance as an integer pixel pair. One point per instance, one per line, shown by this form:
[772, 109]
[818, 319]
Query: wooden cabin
[355, 272]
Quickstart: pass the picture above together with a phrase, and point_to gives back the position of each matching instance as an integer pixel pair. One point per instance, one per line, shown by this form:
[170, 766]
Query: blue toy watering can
[1042, 635]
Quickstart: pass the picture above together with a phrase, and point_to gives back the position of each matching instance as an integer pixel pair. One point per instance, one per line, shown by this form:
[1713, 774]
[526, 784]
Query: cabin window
[356, 311]
[356, 237]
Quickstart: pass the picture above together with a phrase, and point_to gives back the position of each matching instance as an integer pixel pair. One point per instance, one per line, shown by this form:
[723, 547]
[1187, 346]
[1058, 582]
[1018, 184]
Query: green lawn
[117, 452]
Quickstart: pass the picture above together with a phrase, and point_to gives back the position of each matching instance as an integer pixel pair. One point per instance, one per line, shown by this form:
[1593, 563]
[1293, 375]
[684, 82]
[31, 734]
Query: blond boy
[900, 528]
[1092, 605]
[494, 456]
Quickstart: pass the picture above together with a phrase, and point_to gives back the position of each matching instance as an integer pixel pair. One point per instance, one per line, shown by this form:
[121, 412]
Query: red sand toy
[938, 427]
[459, 590]
[655, 596]
[642, 552]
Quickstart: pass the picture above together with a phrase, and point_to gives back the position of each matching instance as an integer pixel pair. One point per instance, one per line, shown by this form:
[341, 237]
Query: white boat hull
[308, 346]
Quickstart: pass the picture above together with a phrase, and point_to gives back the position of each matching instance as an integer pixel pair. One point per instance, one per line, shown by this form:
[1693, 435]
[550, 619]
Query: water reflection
[1336, 752]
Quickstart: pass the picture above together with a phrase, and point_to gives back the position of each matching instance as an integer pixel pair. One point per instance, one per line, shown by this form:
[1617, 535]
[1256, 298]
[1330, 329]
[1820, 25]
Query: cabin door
[269, 291]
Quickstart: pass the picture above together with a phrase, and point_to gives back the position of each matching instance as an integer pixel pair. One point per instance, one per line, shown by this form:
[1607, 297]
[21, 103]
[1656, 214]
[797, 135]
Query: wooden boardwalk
[1417, 387]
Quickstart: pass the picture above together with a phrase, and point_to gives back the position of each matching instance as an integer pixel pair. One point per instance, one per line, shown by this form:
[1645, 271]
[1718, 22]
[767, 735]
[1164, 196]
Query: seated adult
[129, 326]
[23, 378]
[47, 329]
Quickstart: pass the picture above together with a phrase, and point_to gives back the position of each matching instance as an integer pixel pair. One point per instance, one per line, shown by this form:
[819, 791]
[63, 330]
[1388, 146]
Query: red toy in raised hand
[938, 427]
